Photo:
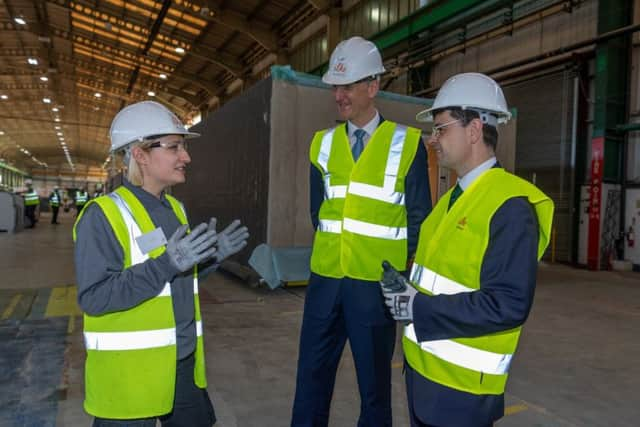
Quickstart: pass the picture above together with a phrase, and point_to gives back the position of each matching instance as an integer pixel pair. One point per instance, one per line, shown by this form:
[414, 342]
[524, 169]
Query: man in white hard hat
[472, 283]
[369, 195]
[137, 272]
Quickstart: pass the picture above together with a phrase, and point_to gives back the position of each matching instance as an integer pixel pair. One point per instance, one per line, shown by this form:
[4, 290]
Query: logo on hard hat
[340, 68]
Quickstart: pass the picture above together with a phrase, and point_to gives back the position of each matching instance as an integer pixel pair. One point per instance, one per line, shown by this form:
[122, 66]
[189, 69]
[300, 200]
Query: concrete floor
[576, 365]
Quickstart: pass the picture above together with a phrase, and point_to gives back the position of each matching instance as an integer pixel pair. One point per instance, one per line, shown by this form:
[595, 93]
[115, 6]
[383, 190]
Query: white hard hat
[144, 119]
[470, 91]
[352, 60]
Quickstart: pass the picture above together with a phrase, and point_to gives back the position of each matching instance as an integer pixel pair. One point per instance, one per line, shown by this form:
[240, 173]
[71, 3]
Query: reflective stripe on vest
[434, 283]
[462, 355]
[81, 197]
[31, 198]
[137, 340]
[374, 230]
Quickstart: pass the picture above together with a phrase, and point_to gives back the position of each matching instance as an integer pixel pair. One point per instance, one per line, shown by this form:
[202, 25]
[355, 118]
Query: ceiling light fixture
[32, 61]
[4, 97]
[97, 95]
[59, 133]
[163, 76]
[46, 100]
[55, 109]
[20, 20]
[56, 119]
[44, 78]
[151, 93]
[179, 50]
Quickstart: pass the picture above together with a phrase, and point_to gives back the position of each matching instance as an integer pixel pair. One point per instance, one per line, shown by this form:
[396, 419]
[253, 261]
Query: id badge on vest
[151, 240]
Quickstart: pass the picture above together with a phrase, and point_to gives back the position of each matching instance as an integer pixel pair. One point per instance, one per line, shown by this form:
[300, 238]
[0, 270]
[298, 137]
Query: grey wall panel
[543, 150]
[228, 174]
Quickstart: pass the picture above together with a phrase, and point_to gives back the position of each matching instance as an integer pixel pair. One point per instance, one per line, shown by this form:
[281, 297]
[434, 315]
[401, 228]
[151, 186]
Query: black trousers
[54, 218]
[30, 212]
[191, 406]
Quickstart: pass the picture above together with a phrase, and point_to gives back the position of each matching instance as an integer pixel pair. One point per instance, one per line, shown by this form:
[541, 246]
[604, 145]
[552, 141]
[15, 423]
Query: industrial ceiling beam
[238, 22]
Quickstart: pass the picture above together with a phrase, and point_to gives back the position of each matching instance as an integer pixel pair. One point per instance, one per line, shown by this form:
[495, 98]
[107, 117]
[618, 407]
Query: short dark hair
[489, 132]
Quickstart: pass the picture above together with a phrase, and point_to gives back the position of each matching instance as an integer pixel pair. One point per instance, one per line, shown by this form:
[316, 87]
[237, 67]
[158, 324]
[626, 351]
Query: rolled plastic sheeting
[280, 265]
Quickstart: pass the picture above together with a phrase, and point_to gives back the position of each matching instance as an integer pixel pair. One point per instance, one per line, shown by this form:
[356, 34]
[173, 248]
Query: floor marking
[72, 325]
[397, 364]
[12, 306]
[514, 409]
[62, 302]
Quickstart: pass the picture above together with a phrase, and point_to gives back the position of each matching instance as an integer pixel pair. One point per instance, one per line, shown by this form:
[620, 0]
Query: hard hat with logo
[141, 120]
[352, 60]
[471, 91]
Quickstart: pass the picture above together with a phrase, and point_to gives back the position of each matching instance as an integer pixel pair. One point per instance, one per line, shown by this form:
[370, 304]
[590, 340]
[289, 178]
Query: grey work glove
[231, 240]
[398, 293]
[186, 250]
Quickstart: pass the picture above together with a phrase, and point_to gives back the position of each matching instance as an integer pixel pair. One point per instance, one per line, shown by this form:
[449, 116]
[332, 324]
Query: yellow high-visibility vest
[130, 370]
[448, 261]
[363, 218]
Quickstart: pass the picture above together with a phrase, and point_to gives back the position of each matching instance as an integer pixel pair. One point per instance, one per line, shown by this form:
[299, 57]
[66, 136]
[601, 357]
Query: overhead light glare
[163, 76]
[56, 119]
[46, 100]
[59, 134]
[55, 109]
[32, 61]
[44, 78]
[20, 20]
[179, 50]
[4, 97]
[151, 93]
[97, 95]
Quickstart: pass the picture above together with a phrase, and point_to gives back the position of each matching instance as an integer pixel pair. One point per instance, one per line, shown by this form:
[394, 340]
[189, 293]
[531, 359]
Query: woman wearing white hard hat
[474, 274]
[137, 268]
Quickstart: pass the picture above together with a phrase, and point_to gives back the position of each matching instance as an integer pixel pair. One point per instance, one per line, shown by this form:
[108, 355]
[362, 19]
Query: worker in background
[137, 268]
[54, 202]
[98, 191]
[474, 274]
[81, 199]
[369, 194]
[31, 202]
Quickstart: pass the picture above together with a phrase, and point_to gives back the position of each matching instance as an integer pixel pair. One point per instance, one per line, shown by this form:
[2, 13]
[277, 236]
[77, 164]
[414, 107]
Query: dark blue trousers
[336, 310]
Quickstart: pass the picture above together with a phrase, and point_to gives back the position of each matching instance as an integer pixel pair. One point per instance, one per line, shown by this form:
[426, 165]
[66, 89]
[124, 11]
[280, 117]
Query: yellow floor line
[72, 325]
[12, 306]
[397, 364]
[514, 409]
[62, 302]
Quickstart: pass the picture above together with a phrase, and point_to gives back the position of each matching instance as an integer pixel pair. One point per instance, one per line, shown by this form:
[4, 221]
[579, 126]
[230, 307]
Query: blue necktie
[457, 191]
[358, 146]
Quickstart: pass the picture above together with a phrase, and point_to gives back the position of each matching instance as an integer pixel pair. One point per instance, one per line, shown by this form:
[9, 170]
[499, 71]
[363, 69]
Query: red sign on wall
[595, 198]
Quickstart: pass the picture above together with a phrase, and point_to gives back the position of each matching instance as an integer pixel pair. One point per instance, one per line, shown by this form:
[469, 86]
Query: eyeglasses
[173, 146]
[436, 131]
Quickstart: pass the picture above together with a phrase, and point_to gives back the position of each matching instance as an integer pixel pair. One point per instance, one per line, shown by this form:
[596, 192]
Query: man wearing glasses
[474, 274]
[369, 194]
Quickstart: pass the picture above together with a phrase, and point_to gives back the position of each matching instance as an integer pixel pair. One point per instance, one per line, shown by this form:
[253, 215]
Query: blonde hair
[134, 173]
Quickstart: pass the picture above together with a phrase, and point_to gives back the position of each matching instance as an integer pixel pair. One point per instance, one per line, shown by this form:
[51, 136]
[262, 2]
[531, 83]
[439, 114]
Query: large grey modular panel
[228, 175]
[252, 160]
[544, 149]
